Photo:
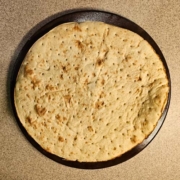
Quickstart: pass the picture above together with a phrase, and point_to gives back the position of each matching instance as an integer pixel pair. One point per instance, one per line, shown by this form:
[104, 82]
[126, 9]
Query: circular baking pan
[81, 16]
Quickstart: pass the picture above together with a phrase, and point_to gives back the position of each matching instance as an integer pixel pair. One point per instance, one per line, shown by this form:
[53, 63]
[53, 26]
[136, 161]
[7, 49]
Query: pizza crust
[90, 91]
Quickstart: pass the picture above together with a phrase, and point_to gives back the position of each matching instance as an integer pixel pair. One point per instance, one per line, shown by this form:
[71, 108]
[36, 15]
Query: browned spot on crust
[93, 118]
[27, 71]
[32, 122]
[144, 123]
[74, 79]
[64, 51]
[44, 124]
[86, 82]
[77, 28]
[49, 97]
[58, 116]
[48, 149]
[90, 129]
[102, 94]
[79, 45]
[75, 138]
[103, 82]
[76, 68]
[137, 91]
[49, 87]
[151, 85]
[67, 98]
[64, 118]
[99, 62]
[60, 139]
[26, 88]
[29, 120]
[40, 110]
[139, 79]
[133, 139]
[34, 125]
[99, 104]
[64, 68]
[35, 82]
[54, 130]
[58, 119]
[61, 76]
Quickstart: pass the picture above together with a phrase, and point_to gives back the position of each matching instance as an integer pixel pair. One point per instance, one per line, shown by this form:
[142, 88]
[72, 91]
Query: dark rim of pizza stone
[81, 16]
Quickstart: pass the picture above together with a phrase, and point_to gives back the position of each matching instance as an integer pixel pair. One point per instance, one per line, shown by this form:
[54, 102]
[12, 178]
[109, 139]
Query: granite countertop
[20, 160]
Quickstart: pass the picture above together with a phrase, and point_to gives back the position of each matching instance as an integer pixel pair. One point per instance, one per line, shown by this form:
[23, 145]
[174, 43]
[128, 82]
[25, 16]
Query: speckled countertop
[20, 160]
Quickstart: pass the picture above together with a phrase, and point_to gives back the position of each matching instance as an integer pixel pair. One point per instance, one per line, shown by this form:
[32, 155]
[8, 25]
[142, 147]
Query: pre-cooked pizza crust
[90, 91]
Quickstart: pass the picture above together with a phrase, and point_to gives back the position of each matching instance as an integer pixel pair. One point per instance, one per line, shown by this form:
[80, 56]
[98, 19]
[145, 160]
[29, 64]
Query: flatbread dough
[90, 91]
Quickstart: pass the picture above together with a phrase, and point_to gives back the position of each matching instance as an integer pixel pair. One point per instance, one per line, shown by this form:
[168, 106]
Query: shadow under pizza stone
[44, 26]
